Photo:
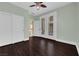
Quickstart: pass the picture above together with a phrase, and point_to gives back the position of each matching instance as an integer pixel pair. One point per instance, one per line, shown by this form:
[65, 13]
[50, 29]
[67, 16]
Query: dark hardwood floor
[38, 46]
[46, 47]
[17, 49]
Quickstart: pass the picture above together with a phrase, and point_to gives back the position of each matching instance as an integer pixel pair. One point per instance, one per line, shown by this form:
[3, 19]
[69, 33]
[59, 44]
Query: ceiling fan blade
[32, 5]
[42, 5]
[38, 2]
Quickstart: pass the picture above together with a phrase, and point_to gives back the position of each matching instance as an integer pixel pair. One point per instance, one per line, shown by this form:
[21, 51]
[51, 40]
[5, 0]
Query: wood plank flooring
[17, 49]
[46, 47]
[38, 46]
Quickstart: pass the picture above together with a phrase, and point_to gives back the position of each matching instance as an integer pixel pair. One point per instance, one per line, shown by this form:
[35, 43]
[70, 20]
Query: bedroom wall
[67, 23]
[77, 21]
[10, 8]
[77, 25]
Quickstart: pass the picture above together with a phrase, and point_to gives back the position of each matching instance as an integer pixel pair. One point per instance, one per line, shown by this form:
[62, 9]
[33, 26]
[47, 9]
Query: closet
[11, 28]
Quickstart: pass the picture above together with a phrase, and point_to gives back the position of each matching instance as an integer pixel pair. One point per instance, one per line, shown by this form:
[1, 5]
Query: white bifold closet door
[17, 28]
[5, 28]
[11, 28]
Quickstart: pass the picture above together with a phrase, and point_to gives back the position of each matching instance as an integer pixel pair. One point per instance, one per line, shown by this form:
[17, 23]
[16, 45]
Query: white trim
[66, 41]
[77, 45]
[14, 42]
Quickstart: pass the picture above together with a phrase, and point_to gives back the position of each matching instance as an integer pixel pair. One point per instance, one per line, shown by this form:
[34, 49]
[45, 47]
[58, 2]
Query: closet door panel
[18, 28]
[5, 28]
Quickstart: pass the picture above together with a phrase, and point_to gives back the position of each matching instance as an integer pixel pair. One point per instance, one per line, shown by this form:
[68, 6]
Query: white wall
[77, 25]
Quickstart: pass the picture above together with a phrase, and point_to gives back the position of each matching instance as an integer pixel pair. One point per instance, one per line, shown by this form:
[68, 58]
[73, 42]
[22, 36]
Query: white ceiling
[35, 12]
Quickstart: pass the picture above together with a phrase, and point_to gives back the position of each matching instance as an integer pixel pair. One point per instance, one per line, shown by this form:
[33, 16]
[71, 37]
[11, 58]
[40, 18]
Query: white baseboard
[77, 45]
[70, 42]
[13, 42]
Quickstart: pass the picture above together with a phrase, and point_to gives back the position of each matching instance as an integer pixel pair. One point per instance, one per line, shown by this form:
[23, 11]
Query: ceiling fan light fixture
[37, 7]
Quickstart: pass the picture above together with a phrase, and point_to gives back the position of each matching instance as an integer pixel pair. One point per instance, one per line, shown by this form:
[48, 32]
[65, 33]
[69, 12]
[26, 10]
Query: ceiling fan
[38, 5]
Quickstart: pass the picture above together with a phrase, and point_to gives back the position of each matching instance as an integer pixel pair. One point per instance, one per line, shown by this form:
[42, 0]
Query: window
[50, 26]
[43, 25]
